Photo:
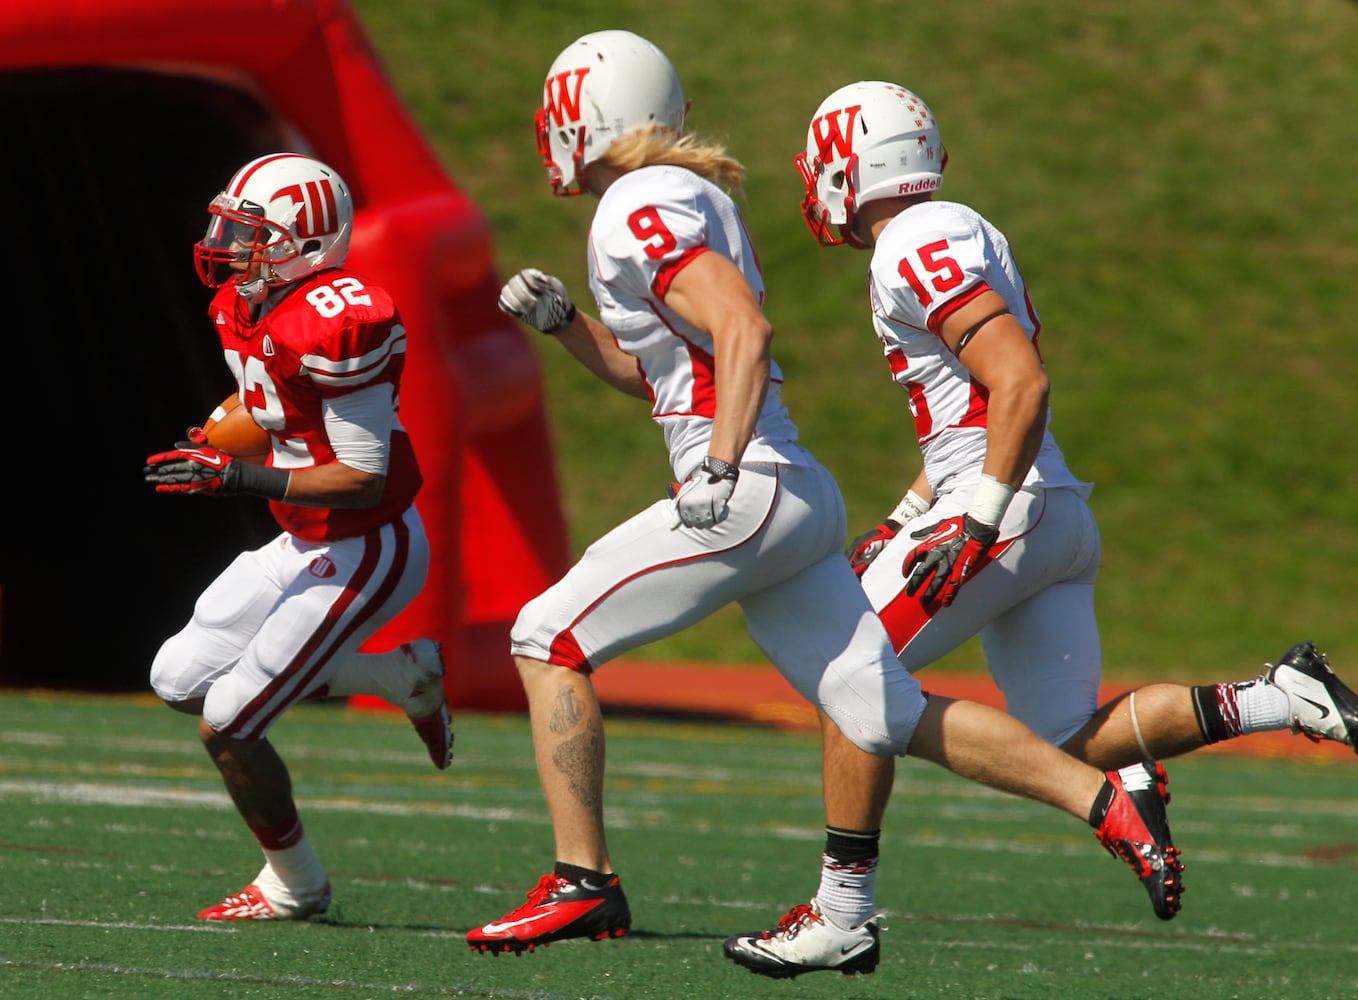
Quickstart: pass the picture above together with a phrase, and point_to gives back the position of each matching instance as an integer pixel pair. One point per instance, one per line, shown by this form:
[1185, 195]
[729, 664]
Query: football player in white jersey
[995, 536]
[317, 353]
[754, 518]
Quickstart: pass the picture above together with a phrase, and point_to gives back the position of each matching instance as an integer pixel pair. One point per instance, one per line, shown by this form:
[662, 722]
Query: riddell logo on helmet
[919, 187]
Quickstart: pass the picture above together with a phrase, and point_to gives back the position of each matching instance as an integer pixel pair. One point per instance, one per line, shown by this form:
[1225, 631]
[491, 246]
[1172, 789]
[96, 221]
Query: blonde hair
[652, 147]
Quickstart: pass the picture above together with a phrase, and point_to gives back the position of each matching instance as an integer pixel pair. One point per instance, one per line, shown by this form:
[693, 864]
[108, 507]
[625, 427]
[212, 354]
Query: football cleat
[805, 940]
[1320, 705]
[1134, 827]
[557, 909]
[250, 904]
[427, 703]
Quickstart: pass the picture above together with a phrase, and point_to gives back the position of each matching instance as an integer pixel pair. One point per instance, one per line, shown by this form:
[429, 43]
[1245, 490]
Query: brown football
[231, 429]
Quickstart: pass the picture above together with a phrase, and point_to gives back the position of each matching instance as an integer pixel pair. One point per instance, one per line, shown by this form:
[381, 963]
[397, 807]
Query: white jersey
[1035, 611]
[931, 259]
[648, 225]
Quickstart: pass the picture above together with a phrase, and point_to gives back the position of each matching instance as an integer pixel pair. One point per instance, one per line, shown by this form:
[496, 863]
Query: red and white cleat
[250, 904]
[557, 909]
[427, 704]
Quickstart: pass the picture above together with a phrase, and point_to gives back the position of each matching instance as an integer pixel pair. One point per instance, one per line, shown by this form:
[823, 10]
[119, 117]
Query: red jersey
[329, 334]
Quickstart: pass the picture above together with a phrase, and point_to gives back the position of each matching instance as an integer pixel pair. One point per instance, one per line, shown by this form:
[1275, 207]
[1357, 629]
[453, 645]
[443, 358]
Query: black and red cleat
[1130, 821]
[557, 909]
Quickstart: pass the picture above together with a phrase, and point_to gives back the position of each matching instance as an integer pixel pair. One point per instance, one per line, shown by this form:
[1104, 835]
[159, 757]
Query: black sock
[1102, 801]
[576, 874]
[1208, 710]
[850, 846]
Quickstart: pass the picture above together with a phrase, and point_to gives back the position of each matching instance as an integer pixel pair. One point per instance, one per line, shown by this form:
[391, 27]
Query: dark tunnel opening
[106, 178]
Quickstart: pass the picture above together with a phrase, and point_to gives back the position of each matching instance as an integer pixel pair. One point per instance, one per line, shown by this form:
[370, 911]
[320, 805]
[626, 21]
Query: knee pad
[878, 717]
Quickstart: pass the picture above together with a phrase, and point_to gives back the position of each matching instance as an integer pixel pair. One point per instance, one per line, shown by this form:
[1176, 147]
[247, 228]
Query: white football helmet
[867, 141]
[280, 218]
[601, 87]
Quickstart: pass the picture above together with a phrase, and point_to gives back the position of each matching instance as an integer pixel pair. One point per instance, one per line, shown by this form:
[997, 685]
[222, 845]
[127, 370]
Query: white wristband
[990, 500]
[912, 505]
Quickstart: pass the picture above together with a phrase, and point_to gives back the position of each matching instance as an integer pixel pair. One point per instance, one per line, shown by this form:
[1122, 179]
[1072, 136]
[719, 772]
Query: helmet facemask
[556, 177]
[241, 246]
[829, 189]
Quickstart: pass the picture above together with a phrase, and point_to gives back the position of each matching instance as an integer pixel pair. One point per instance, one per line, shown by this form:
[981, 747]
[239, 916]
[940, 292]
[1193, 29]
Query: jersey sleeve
[928, 266]
[646, 236]
[360, 343]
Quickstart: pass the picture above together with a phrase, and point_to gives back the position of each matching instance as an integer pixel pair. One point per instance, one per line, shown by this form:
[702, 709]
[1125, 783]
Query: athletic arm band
[974, 329]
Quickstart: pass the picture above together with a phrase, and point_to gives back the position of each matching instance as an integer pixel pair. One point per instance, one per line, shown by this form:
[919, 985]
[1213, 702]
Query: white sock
[381, 674]
[848, 891]
[292, 875]
[1263, 706]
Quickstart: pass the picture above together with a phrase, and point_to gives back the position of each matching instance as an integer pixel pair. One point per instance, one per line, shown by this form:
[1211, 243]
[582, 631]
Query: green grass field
[114, 831]
[1177, 181]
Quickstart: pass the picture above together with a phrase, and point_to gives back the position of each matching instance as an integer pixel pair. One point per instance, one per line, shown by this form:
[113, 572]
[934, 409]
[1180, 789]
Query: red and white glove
[869, 545]
[948, 555]
[195, 468]
[199, 469]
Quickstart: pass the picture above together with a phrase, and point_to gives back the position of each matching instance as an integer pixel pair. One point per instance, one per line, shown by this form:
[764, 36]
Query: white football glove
[537, 299]
[703, 500]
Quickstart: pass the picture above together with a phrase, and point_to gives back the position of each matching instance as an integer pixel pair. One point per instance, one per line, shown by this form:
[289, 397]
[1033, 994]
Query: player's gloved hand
[867, 546]
[703, 499]
[948, 555]
[538, 299]
[197, 468]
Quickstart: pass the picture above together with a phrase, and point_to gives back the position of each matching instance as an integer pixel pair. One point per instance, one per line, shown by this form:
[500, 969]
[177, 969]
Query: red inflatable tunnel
[472, 396]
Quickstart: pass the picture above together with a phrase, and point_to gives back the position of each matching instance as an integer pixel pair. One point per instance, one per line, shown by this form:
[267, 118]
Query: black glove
[203, 469]
[948, 555]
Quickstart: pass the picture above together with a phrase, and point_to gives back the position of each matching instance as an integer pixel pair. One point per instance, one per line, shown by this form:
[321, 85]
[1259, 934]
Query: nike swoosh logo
[207, 459]
[851, 948]
[942, 533]
[504, 925]
[496, 928]
[1323, 710]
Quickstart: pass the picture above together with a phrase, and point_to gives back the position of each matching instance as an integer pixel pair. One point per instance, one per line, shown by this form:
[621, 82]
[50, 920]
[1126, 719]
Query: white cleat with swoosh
[1320, 705]
[807, 941]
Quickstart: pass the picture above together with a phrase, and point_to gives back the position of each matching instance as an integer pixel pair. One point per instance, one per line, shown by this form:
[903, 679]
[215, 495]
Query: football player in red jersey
[317, 352]
[757, 520]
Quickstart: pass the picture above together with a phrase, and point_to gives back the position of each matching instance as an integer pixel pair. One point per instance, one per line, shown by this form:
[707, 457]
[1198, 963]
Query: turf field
[114, 831]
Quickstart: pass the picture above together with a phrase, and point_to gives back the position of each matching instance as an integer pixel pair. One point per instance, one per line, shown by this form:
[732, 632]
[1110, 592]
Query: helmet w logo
[829, 132]
[318, 214]
[563, 95]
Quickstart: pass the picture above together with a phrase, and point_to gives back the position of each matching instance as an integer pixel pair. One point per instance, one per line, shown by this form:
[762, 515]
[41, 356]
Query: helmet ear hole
[311, 246]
